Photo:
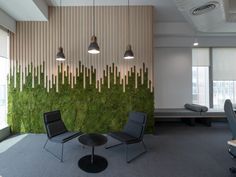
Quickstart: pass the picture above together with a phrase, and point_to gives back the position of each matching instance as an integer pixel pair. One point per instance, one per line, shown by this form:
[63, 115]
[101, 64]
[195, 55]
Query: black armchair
[56, 131]
[132, 133]
[231, 117]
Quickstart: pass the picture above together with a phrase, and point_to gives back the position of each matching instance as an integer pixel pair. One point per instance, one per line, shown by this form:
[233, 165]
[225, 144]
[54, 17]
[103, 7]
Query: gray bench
[189, 116]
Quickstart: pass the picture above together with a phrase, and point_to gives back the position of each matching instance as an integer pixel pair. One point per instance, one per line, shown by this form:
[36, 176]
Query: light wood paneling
[36, 43]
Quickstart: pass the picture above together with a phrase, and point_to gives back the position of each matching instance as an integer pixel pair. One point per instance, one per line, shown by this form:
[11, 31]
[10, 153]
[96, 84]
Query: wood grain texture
[35, 44]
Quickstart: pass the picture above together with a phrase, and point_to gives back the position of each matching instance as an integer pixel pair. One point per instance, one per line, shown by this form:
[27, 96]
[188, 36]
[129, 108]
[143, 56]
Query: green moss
[82, 109]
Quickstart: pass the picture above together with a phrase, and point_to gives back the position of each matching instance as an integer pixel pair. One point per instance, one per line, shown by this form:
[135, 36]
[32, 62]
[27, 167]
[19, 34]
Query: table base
[99, 164]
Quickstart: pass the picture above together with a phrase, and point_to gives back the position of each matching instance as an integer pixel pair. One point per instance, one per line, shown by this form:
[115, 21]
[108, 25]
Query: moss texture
[82, 109]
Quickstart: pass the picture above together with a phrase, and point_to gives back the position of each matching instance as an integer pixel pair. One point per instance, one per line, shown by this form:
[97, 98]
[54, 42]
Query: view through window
[223, 90]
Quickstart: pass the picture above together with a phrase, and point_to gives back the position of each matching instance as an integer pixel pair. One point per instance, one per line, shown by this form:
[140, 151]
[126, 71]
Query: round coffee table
[92, 163]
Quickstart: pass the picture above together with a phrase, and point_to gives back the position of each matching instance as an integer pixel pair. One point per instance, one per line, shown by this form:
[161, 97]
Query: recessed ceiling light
[203, 9]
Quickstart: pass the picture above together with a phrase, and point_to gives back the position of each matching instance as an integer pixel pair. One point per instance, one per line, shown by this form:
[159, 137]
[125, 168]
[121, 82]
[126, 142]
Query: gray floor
[175, 151]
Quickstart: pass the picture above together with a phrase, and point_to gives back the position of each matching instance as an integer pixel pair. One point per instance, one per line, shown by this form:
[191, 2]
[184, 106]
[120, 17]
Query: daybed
[188, 115]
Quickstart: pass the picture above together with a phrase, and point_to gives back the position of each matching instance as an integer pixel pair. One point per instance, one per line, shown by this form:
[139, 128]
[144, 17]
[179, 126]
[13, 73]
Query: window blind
[224, 64]
[3, 44]
[200, 57]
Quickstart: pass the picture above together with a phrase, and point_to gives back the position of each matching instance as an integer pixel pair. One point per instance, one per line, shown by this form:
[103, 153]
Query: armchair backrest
[54, 124]
[136, 124]
[231, 117]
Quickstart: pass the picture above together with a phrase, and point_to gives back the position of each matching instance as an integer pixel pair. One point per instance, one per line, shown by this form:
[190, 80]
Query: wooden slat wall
[36, 44]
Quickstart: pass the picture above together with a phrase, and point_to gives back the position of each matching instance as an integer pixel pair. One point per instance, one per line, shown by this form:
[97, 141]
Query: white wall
[173, 77]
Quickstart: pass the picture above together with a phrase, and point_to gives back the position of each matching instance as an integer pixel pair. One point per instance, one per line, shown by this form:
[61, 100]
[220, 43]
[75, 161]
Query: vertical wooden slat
[19, 54]
[54, 43]
[46, 55]
[15, 60]
[57, 63]
[63, 28]
[51, 55]
[27, 53]
[17, 45]
[69, 42]
[11, 55]
[47, 63]
[23, 52]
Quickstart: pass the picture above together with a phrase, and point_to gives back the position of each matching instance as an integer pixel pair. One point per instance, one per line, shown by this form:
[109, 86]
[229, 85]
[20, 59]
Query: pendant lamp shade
[128, 53]
[93, 47]
[60, 55]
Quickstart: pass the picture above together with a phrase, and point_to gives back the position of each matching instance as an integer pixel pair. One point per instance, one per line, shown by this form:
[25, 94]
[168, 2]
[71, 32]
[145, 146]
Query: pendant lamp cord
[93, 17]
[128, 25]
[60, 25]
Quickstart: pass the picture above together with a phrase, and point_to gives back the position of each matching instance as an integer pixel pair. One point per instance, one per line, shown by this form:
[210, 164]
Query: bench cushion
[196, 107]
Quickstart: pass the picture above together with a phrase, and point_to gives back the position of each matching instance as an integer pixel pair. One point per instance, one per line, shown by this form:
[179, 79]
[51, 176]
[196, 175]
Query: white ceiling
[26, 10]
[219, 21]
[165, 10]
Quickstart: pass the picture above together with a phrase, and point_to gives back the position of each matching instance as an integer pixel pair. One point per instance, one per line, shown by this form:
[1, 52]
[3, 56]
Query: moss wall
[82, 109]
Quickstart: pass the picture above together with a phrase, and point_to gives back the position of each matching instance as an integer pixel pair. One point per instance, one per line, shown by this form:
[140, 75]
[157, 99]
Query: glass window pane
[200, 85]
[223, 90]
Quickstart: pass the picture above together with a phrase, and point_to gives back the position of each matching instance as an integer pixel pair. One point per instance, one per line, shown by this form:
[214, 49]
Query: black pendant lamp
[93, 47]
[60, 55]
[128, 53]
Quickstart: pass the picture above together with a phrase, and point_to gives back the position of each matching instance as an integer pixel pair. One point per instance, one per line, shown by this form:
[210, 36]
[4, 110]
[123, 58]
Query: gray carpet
[175, 151]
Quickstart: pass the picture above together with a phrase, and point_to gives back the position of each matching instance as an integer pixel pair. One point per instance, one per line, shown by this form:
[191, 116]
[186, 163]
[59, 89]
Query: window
[4, 68]
[223, 73]
[200, 76]
[224, 76]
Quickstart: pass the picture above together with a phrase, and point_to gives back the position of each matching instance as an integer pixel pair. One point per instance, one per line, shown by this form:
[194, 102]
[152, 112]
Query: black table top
[92, 139]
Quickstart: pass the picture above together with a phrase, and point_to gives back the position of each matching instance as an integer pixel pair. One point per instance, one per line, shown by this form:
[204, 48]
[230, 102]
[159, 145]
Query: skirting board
[4, 133]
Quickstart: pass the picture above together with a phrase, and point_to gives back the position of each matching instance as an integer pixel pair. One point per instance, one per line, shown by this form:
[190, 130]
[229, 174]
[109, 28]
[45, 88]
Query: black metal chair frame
[126, 148]
[64, 140]
[134, 141]
[62, 147]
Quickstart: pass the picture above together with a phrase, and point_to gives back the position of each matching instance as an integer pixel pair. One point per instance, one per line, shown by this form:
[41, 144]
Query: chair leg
[126, 152]
[232, 155]
[144, 146]
[135, 157]
[232, 170]
[45, 144]
[62, 145]
[108, 147]
[59, 158]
